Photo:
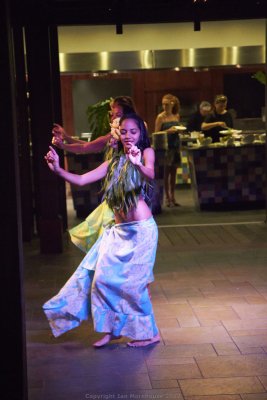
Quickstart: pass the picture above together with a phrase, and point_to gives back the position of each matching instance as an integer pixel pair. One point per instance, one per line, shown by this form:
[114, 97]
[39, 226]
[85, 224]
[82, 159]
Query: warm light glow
[191, 54]
[62, 61]
[146, 58]
[104, 60]
[234, 54]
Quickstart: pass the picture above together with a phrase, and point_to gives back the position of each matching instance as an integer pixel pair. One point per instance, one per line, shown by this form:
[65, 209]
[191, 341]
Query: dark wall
[246, 95]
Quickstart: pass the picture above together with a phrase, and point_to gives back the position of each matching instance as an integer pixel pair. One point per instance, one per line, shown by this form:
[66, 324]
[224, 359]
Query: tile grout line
[212, 224]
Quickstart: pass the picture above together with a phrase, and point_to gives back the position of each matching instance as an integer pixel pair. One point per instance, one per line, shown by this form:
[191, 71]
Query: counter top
[221, 146]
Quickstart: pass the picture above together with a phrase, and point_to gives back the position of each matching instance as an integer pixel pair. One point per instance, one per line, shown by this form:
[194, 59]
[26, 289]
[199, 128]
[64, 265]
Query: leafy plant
[260, 76]
[98, 118]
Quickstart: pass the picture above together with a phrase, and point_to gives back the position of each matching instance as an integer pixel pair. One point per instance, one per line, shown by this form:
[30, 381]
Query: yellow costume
[87, 232]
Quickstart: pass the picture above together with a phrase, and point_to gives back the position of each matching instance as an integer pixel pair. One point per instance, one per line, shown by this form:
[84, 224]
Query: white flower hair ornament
[115, 132]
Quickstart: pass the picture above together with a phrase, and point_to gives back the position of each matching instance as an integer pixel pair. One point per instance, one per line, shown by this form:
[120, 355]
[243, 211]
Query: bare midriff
[141, 212]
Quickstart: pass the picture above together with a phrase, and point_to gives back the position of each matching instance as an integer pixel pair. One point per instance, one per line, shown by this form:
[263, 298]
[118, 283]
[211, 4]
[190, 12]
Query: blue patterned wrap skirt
[111, 284]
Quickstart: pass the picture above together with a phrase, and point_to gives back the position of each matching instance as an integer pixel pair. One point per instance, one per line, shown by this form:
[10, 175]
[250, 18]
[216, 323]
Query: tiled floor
[210, 302]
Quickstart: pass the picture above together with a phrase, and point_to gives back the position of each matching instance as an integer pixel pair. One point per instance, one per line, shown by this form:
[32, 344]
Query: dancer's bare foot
[105, 339]
[143, 343]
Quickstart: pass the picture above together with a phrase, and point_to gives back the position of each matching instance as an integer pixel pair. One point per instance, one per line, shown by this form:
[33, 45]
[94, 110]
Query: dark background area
[246, 95]
[88, 92]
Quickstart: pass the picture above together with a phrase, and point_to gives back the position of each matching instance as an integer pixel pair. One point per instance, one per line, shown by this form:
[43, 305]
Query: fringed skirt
[111, 282]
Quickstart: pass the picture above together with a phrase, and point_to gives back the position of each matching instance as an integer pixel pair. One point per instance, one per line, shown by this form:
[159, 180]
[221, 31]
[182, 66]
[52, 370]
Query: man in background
[219, 119]
[195, 120]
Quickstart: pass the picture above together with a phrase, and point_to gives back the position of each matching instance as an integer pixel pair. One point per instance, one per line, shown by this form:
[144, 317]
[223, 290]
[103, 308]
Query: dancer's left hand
[115, 131]
[134, 155]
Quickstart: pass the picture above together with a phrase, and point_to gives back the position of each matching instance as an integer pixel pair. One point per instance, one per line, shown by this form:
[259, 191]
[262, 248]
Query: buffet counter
[228, 177]
[85, 198]
[222, 176]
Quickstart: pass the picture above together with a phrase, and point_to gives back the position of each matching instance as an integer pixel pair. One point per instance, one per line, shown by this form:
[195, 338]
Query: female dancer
[85, 234]
[115, 273]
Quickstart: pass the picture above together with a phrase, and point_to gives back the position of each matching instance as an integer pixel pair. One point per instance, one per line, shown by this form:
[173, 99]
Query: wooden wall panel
[67, 104]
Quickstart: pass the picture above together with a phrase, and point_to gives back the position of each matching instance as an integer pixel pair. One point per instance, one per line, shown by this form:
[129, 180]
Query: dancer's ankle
[145, 342]
[105, 340]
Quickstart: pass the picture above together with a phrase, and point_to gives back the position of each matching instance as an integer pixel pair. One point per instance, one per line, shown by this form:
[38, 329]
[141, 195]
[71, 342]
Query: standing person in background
[168, 120]
[219, 119]
[195, 120]
[115, 273]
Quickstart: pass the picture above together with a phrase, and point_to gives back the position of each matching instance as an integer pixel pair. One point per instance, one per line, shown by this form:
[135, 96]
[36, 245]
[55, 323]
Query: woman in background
[167, 121]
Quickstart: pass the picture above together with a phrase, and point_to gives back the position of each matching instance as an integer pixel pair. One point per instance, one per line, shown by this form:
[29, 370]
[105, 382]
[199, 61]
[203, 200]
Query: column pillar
[44, 95]
[13, 349]
[24, 140]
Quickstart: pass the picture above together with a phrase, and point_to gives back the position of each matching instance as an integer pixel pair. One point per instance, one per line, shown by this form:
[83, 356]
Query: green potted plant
[260, 76]
[98, 118]
[87, 198]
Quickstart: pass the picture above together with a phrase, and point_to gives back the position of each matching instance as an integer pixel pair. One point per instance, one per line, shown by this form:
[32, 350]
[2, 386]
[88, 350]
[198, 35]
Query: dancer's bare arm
[96, 174]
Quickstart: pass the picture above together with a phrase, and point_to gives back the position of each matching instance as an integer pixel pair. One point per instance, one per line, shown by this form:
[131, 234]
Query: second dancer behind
[119, 106]
[115, 273]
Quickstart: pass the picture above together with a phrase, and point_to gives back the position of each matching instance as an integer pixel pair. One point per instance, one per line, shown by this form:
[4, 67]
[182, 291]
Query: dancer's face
[116, 111]
[130, 133]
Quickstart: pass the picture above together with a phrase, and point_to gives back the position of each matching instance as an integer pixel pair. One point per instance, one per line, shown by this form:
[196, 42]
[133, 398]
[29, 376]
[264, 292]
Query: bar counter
[228, 177]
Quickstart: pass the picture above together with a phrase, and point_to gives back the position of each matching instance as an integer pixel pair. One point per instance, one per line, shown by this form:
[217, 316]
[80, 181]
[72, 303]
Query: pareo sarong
[87, 232]
[112, 280]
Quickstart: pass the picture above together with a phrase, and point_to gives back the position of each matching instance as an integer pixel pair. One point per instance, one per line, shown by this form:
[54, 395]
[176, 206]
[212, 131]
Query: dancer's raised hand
[58, 131]
[58, 142]
[52, 159]
[134, 155]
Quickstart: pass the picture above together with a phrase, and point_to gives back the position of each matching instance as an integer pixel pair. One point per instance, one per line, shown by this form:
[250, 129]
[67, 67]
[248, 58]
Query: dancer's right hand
[58, 131]
[58, 142]
[52, 159]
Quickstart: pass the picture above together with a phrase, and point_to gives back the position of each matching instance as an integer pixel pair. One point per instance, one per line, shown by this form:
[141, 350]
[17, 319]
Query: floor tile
[226, 349]
[167, 383]
[215, 397]
[210, 302]
[230, 366]
[199, 335]
[174, 371]
[212, 386]
[251, 311]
